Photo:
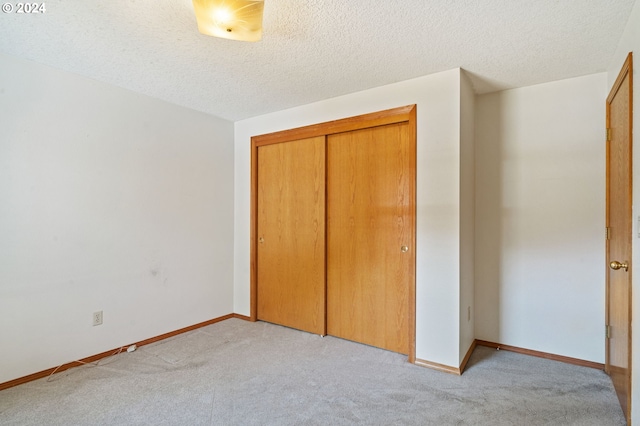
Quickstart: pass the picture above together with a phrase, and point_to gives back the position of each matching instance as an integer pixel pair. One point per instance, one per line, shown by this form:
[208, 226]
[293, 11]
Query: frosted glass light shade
[232, 19]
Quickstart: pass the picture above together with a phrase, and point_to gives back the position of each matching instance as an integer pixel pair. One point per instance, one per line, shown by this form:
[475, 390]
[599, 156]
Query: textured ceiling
[316, 49]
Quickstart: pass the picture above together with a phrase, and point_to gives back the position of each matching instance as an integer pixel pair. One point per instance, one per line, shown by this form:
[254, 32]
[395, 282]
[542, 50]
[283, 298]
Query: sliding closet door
[291, 234]
[370, 223]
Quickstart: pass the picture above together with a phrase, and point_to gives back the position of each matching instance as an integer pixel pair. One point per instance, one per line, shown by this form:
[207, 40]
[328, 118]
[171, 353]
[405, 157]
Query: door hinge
[608, 134]
[607, 233]
[607, 332]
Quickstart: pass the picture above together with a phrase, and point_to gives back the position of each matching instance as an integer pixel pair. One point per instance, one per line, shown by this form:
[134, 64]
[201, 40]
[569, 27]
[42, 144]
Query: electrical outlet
[97, 318]
[468, 313]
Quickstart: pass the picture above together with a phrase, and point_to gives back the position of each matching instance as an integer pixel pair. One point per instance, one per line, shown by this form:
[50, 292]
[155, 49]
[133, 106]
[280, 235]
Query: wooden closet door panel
[370, 216]
[620, 225]
[291, 234]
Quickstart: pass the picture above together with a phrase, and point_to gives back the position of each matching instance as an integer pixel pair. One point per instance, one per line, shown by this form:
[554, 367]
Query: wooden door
[370, 240]
[618, 359]
[291, 234]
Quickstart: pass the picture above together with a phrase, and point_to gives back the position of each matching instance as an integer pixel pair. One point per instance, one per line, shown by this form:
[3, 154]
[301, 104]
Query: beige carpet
[241, 373]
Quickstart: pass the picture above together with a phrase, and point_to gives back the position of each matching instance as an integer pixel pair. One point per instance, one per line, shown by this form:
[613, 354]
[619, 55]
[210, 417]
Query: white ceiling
[316, 49]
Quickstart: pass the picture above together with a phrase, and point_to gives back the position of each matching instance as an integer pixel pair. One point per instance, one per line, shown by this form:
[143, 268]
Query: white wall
[540, 212]
[110, 201]
[438, 197]
[630, 42]
[467, 214]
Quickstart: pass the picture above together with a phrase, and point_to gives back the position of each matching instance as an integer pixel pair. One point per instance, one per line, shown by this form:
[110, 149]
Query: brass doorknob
[404, 249]
[261, 240]
[619, 265]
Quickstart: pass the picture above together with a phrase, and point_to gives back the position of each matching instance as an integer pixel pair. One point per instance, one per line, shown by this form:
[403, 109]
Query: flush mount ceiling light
[232, 19]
